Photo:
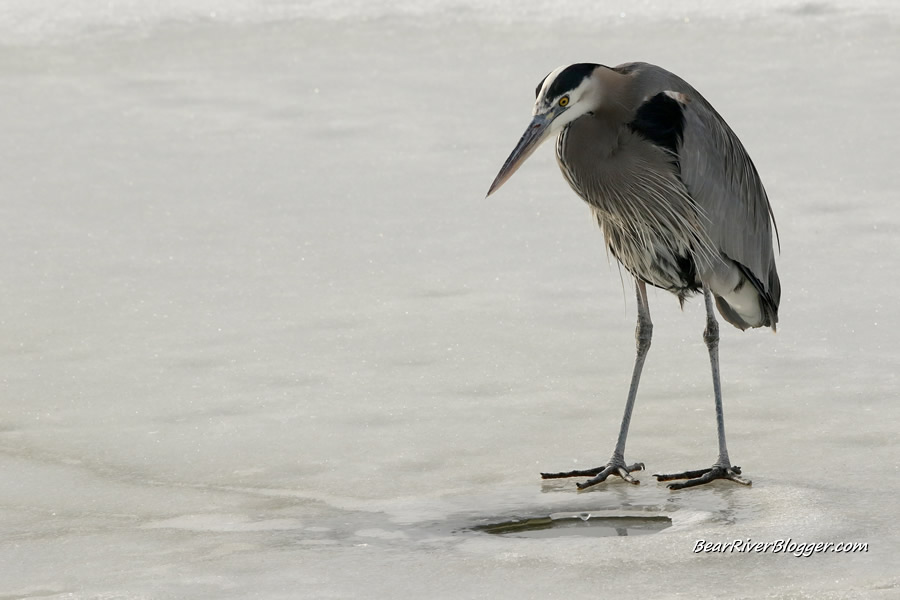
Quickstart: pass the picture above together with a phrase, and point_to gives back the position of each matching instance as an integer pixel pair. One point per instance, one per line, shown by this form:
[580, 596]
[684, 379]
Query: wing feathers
[720, 177]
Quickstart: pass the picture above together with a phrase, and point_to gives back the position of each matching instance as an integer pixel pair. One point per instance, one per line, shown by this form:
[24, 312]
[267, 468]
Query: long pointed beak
[535, 134]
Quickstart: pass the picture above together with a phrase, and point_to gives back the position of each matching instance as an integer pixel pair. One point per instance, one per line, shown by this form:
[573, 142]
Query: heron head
[564, 95]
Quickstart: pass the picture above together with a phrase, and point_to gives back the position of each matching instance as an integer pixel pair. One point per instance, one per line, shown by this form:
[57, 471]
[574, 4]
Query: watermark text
[782, 546]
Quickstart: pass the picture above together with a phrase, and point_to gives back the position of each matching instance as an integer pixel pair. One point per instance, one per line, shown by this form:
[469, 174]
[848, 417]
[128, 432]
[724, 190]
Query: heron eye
[564, 101]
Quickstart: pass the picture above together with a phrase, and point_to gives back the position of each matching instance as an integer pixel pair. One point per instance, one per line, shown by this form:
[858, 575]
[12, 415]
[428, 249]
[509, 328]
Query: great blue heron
[679, 202]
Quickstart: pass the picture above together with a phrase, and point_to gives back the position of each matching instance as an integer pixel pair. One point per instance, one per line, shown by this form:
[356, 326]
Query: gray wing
[722, 179]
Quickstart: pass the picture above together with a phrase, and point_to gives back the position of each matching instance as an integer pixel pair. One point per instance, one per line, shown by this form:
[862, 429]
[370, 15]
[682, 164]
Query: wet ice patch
[381, 534]
[223, 523]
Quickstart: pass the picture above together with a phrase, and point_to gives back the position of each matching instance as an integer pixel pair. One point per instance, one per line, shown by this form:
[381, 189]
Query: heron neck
[619, 99]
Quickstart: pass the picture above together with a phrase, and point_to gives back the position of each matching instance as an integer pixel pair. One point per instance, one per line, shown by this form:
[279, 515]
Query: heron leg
[617, 466]
[722, 469]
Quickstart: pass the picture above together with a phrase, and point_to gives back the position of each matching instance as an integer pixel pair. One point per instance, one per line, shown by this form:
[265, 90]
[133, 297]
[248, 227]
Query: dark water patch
[577, 524]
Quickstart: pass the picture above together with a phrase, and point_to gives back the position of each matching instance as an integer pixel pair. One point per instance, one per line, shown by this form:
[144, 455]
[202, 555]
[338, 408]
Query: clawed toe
[702, 476]
[599, 474]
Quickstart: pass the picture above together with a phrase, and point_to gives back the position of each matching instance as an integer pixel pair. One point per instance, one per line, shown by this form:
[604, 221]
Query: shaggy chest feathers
[650, 222]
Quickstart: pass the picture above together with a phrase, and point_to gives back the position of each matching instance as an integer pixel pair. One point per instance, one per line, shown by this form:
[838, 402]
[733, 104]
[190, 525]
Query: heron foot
[702, 476]
[599, 474]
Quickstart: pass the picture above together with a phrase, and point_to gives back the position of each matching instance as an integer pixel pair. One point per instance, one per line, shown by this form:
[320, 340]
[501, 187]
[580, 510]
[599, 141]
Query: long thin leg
[722, 469]
[711, 337]
[643, 334]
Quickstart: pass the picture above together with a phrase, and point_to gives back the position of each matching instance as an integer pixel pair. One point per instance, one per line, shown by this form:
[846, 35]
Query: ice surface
[264, 337]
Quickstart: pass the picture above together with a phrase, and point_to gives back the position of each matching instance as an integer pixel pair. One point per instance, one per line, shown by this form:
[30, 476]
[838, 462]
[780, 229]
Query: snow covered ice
[262, 336]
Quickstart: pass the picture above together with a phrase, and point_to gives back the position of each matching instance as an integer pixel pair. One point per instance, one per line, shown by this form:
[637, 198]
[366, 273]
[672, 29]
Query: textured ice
[264, 337]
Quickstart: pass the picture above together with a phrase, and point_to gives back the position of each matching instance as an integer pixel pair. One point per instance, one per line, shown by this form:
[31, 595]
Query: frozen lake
[263, 336]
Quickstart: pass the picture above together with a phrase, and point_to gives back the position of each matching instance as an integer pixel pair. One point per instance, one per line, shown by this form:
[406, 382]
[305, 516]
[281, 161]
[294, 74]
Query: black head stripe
[569, 79]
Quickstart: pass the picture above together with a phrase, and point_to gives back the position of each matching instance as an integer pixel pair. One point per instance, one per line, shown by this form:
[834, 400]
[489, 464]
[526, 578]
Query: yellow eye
[564, 101]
